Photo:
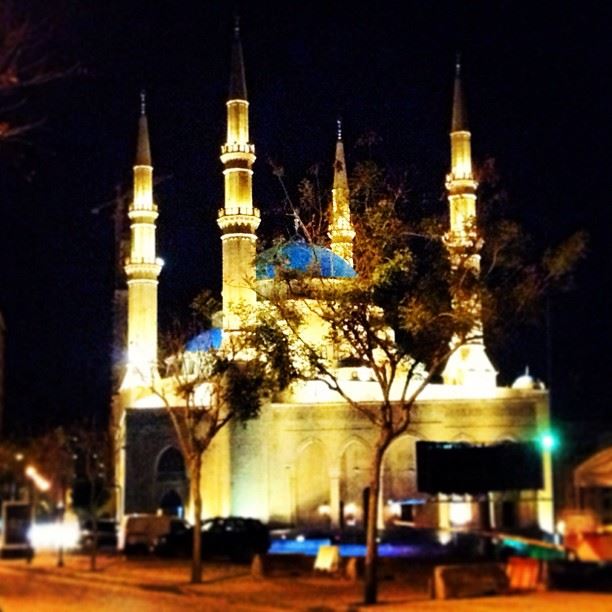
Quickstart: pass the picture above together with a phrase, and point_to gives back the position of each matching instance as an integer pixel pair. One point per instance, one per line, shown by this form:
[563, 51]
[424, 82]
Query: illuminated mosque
[305, 461]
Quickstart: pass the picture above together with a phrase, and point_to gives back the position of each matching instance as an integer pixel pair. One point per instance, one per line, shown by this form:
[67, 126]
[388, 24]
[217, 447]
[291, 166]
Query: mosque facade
[305, 461]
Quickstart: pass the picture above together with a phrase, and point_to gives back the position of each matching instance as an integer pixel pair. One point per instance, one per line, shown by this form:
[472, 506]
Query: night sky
[537, 82]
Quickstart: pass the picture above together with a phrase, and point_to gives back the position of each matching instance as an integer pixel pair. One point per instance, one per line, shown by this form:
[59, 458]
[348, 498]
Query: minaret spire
[341, 231]
[469, 365]
[142, 268]
[459, 118]
[143, 150]
[237, 88]
[238, 219]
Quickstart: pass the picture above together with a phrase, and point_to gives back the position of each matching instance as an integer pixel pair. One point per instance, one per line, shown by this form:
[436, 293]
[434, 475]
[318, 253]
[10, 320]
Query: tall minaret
[238, 219]
[142, 268]
[469, 365]
[341, 231]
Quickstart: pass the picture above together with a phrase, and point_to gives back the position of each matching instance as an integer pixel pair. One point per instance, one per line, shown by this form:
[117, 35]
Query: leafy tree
[409, 308]
[519, 269]
[205, 390]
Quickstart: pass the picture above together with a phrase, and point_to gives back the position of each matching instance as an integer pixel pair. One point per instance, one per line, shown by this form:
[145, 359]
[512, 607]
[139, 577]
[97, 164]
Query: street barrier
[523, 573]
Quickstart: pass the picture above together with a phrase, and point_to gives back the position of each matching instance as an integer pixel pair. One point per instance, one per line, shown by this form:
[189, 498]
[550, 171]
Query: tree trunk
[94, 545]
[370, 585]
[60, 509]
[196, 496]
[94, 518]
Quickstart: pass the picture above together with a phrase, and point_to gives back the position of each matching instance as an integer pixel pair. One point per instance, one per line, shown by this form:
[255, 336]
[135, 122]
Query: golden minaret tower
[341, 231]
[469, 365]
[142, 268]
[238, 219]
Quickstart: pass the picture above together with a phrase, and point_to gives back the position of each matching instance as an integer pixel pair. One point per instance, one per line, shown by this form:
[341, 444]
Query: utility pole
[118, 205]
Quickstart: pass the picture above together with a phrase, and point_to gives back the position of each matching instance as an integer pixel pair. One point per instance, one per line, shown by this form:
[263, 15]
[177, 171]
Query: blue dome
[302, 257]
[209, 339]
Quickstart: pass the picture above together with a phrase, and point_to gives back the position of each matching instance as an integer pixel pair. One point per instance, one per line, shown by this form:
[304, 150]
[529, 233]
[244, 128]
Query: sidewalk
[234, 586]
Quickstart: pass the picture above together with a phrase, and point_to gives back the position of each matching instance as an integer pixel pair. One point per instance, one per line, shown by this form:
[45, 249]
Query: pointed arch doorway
[171, 482]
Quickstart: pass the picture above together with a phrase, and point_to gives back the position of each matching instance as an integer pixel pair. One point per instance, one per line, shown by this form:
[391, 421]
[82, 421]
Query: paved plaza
[152, 584]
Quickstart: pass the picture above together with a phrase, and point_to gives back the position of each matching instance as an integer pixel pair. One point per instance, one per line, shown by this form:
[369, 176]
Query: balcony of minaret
[343, 236]
[461, 181]
[464, 236]
[233, 149]
[143, 270]
[459, 255]
[238, 219]
[143, 214]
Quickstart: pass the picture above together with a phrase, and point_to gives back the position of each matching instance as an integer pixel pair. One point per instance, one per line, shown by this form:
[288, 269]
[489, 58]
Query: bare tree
[12, 463]
[25, 63]
[78, 459]
[93, 481]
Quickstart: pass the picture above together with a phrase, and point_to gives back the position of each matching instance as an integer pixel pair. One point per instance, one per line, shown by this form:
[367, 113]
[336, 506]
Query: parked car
[236, 538]
[177, 542]
[139, 533]
[105, 533]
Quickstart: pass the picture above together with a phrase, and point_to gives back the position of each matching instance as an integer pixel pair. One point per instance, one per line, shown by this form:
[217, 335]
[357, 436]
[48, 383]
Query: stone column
[334, 496]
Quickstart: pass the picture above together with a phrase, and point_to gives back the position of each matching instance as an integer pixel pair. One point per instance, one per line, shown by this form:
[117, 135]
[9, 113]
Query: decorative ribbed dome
[209, 339]
[298, 256]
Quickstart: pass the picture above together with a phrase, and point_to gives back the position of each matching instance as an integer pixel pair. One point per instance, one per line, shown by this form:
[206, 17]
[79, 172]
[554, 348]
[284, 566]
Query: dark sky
[537, 78]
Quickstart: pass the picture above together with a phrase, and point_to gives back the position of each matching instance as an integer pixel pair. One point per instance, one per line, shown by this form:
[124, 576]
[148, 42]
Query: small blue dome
[209, 339]
[302, 257]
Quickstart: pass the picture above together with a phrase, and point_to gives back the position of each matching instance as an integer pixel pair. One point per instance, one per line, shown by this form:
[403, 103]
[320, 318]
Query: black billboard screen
[449, 467]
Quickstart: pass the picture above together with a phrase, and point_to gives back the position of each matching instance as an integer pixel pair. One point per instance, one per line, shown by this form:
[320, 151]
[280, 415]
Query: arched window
[312, 484]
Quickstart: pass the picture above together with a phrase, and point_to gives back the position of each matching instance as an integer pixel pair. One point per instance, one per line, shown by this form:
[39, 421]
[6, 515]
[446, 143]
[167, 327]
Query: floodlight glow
[460, 513]
[350, 509]
[324, 510]
[51, 536]
[561, 527]
[395, 508]
[350, 513]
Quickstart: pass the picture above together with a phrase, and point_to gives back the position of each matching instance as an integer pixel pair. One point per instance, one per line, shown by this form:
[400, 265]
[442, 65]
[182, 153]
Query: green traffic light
[548, 441]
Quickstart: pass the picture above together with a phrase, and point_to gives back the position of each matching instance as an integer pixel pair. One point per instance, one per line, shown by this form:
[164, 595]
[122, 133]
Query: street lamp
[40, 484]
[17, 485]
[548, 442]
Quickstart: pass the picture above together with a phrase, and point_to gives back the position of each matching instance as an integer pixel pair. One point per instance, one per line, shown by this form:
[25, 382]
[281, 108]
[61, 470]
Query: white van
[139, 532]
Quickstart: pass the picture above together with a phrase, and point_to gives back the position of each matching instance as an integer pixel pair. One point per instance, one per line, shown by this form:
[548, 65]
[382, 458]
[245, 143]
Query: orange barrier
[523, 572]
[593, 546]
